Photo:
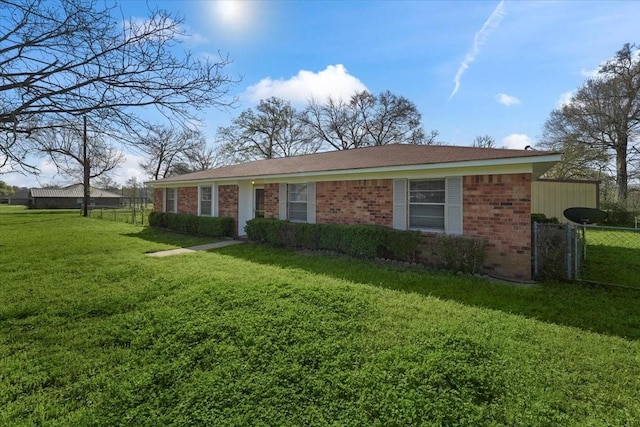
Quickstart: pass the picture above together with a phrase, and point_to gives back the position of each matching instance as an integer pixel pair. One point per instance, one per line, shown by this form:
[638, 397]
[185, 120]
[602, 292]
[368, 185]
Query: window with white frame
[297, 202]
[170, 201]
[427, 204]
[206, 197]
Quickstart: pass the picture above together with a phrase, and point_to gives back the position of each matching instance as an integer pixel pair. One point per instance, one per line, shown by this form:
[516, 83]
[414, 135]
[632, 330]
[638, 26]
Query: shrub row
[362, 241]
[192, 224]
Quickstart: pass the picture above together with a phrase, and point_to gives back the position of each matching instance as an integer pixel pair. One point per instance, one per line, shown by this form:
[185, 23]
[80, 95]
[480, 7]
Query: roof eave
[539, 165]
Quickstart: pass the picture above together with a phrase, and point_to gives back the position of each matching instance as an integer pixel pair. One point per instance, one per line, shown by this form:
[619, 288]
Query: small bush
[362, 241]
[158, 219]
[185, 223]
[543, 219]
[459, 253]
[192, 224]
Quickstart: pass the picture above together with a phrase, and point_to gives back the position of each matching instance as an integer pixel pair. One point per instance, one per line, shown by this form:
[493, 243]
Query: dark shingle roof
[393, 155]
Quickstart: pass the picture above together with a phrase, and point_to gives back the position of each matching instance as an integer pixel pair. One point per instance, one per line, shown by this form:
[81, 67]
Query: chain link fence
[612, 255]
[608, 255]
[132, 211]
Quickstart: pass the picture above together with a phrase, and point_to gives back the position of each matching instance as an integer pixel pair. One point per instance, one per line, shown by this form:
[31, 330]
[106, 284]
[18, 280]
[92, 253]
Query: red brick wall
[188, 200]
[271, 197]
[355, 202]
[158, 199]
[498, 208]
[228, 201]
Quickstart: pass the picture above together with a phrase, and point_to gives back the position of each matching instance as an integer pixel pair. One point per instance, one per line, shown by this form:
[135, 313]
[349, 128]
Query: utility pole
[86, 171]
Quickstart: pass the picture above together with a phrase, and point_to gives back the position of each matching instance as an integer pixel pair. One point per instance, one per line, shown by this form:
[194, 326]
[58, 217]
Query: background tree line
[598, 129]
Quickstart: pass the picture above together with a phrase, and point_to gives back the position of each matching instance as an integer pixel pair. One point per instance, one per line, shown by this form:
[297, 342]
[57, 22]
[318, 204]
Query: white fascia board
[534, 165]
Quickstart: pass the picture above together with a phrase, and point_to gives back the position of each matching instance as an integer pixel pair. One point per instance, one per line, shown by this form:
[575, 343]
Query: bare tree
[64, 145]
[366, 120]
[273, 129]
[62, 59]
[604, 116]
[334, 123]
[484, 141]
[76, 154]
[170, 151]
[106, 183]
[202, 157]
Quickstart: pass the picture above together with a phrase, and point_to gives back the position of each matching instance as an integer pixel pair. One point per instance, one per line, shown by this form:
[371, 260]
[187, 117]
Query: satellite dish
[585, 215]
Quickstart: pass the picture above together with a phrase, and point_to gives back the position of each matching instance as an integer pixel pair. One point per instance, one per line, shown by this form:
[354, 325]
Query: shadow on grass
[612, 264]
[168, 237]
[606, 310]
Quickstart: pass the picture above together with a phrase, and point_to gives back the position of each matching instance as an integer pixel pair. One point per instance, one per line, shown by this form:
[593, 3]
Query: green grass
[93, 332]
[613, 257]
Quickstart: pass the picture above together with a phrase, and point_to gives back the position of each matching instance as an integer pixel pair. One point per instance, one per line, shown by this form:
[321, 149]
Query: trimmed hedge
[192, 224]
[362, 241]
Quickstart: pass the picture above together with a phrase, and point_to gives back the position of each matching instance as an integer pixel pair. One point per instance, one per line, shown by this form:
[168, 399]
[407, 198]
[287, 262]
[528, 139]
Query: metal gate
[558, 251]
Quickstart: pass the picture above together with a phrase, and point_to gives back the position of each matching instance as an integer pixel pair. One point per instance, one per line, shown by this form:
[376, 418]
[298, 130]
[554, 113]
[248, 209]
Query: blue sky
[471, 67]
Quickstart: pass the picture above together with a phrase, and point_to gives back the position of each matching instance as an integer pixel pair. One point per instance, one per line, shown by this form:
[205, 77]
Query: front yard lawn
[93, 332]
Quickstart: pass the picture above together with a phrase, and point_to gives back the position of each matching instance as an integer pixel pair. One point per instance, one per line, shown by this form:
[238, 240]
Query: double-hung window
[206, 196]
[171, 198]
[297, 202]
[427, 204]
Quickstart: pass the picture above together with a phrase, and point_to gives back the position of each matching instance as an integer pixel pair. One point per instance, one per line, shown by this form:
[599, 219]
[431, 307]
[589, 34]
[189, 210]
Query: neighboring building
[436, 189]
[70, 197]
[551, 196]
[20, 197]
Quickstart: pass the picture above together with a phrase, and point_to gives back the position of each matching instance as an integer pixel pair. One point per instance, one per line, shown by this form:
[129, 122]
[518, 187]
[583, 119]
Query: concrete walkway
[193, 249]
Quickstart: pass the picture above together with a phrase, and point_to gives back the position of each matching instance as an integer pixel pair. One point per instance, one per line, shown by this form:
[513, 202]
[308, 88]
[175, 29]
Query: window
[205, 201]
[427, 204]
[170, 204]
[297, 202]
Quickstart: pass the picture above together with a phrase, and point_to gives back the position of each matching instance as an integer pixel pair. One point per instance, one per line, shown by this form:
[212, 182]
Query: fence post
[577, 254]
[535, 248]
[569, 248]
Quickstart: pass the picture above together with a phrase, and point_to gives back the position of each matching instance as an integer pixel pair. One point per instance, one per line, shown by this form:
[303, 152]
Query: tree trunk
[622, 176]
[86, 171]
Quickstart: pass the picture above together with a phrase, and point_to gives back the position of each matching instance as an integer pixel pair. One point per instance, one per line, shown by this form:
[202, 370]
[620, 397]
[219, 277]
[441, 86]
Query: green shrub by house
[362, 241]
[459, 253]
[192, 224]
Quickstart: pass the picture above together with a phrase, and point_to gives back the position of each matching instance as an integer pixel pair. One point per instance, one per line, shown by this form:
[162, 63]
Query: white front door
[245, 205]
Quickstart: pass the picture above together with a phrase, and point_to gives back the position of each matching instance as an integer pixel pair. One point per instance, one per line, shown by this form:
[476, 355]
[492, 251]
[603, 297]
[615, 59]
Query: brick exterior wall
[271, 197]
[355, 202]
[498, 208]
[158, 199]
[228, 202]
[188, 200]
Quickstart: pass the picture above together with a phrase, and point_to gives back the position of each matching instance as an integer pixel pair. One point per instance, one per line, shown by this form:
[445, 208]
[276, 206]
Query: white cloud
[517, 141]
[129, 169]
[507, 100]
[334, 81]
[478, 40]
[565, 99]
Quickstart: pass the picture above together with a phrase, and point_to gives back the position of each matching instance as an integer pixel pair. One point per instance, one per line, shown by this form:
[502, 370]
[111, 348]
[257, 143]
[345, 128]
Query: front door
[258, 203]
